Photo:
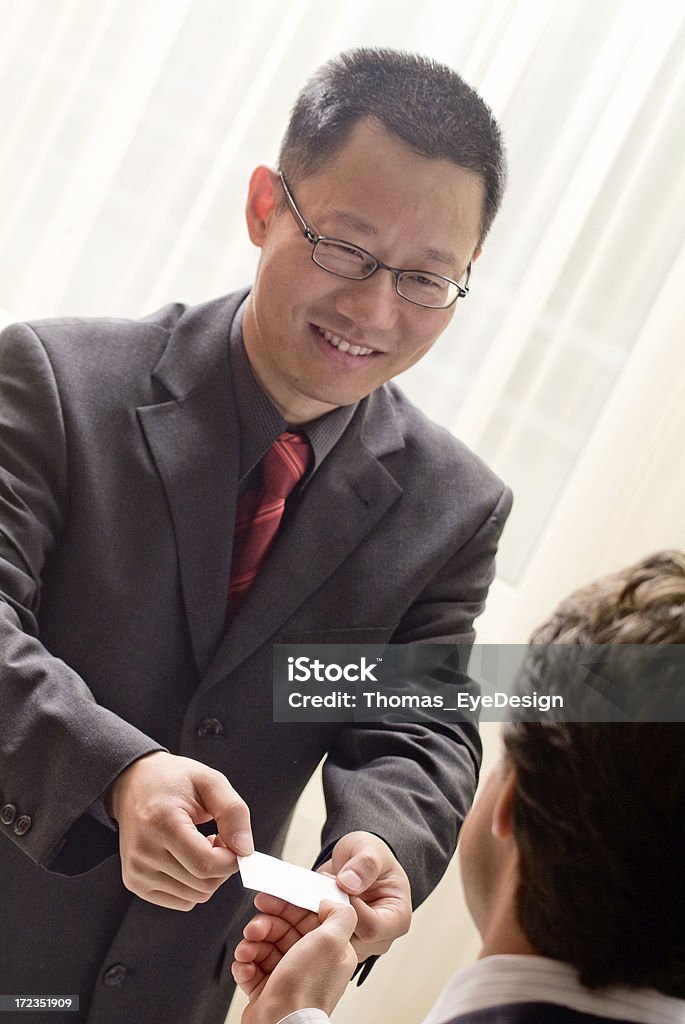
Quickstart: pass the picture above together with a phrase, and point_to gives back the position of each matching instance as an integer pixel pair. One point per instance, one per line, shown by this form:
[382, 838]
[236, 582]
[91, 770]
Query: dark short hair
[423, 103]
[599, 809]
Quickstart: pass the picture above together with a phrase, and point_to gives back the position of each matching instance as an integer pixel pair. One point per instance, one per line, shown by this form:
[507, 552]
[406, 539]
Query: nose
[372, 303]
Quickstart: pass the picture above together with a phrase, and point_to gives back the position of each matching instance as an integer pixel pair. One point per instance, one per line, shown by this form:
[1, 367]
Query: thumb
[358, 860]
[328, 946]
[229, 811]
[338, 919]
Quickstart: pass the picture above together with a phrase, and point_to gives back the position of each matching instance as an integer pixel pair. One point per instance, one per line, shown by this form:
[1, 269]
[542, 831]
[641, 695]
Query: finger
[217, 841]
[247, 951]
[145, 874]
[329, 945]
[228, 809]
[270, 904]
[248, 977]
[264, 955]
[243, 972]
[363, 950]
[164, 863]
[164, 899]
[198, 858]
[303, 920]
[338, 919]
[277, 931]
[367, 920]
[386, 918]
[373, 935]
[265, 927]
[162, 882]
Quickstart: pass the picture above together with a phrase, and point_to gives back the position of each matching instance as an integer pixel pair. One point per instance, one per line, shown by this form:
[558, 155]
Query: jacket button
[115, 975]
[22, 825]
[8, 814]
[210, 727]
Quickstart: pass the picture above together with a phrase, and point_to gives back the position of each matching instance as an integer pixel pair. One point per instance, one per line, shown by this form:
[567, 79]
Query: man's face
[411, 212]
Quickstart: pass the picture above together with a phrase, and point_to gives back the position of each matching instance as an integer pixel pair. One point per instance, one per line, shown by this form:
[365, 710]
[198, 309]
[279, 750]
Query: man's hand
[366, 868]
[158, 801]
[291, 958]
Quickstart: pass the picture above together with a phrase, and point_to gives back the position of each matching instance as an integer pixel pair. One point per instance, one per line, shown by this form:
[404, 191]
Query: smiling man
[347, 337]
[180, 493]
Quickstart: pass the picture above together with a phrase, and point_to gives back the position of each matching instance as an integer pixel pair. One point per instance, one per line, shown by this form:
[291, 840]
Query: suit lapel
[346, 498]
[193, 437]
[194, 442]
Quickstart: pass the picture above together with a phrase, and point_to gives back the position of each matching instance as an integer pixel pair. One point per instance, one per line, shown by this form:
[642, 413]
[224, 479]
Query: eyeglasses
[343, 259]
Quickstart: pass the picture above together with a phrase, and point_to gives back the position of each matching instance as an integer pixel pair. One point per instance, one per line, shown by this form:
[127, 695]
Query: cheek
[466, 838]
[283, 261]
[477, 852]
[416, 348]
[422, 332]
[473, 863]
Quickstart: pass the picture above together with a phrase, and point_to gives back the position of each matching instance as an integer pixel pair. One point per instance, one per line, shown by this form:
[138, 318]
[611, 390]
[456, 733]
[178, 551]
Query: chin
[335, 397]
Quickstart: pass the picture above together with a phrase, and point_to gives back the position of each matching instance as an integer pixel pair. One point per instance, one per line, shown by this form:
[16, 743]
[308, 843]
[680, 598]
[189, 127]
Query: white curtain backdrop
[128, 129]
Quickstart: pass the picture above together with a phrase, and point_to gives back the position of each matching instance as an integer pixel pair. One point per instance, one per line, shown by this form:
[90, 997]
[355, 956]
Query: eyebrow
[354, 223]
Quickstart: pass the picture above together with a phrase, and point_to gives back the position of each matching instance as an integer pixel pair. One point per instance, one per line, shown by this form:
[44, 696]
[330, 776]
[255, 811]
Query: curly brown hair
[599, 809]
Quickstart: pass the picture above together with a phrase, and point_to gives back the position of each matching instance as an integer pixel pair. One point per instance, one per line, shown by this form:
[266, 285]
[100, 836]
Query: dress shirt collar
[505, 979]
[261, 423]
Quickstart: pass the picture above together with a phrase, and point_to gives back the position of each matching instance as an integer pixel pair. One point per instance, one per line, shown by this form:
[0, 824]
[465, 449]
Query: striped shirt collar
[505, 979]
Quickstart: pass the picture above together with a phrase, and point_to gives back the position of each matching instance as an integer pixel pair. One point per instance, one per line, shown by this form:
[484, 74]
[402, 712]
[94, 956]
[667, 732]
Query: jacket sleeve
[59, 750]
[408, 782]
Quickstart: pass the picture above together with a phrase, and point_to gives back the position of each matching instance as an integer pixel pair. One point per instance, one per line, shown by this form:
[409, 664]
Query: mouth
[345, 346]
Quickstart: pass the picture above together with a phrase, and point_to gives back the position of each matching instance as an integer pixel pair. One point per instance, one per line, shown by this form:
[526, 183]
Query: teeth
[344, 346]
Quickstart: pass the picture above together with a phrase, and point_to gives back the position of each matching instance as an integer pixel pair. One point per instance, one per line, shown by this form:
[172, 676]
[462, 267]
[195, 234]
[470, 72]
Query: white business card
[288, 881]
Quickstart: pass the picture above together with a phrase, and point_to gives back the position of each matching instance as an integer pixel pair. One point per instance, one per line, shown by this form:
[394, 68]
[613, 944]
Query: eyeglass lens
[345, 260]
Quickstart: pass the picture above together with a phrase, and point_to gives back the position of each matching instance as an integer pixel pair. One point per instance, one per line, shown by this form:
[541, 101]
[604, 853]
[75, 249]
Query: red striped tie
[260, 510]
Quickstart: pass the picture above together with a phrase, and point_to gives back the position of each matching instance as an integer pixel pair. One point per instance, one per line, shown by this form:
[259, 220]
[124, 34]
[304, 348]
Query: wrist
[113, 794]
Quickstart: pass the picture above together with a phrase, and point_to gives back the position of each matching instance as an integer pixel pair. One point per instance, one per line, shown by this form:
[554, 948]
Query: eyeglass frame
[314, 239]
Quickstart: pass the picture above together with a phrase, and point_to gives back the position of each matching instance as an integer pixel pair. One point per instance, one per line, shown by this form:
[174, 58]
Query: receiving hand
[291, 958]
[157, 802]
[366, 868]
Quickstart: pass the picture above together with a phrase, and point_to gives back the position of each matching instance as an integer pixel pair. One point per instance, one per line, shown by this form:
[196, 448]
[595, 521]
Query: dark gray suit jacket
[118, 477]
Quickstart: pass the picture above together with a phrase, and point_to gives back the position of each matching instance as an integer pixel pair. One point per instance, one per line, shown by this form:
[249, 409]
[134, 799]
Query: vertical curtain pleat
[129, 131]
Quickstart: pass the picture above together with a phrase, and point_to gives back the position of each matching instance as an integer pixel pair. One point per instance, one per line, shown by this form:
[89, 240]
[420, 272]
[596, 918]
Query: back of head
[423, 103]
[599, 809]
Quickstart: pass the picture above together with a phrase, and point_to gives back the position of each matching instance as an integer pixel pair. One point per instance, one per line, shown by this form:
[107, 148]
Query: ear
[503, 811]
[476, 254]
[261, 202]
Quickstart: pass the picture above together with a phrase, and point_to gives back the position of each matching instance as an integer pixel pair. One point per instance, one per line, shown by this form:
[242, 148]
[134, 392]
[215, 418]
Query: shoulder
[71, 333]
[429, 457]
[75, 333]
[80, 349]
